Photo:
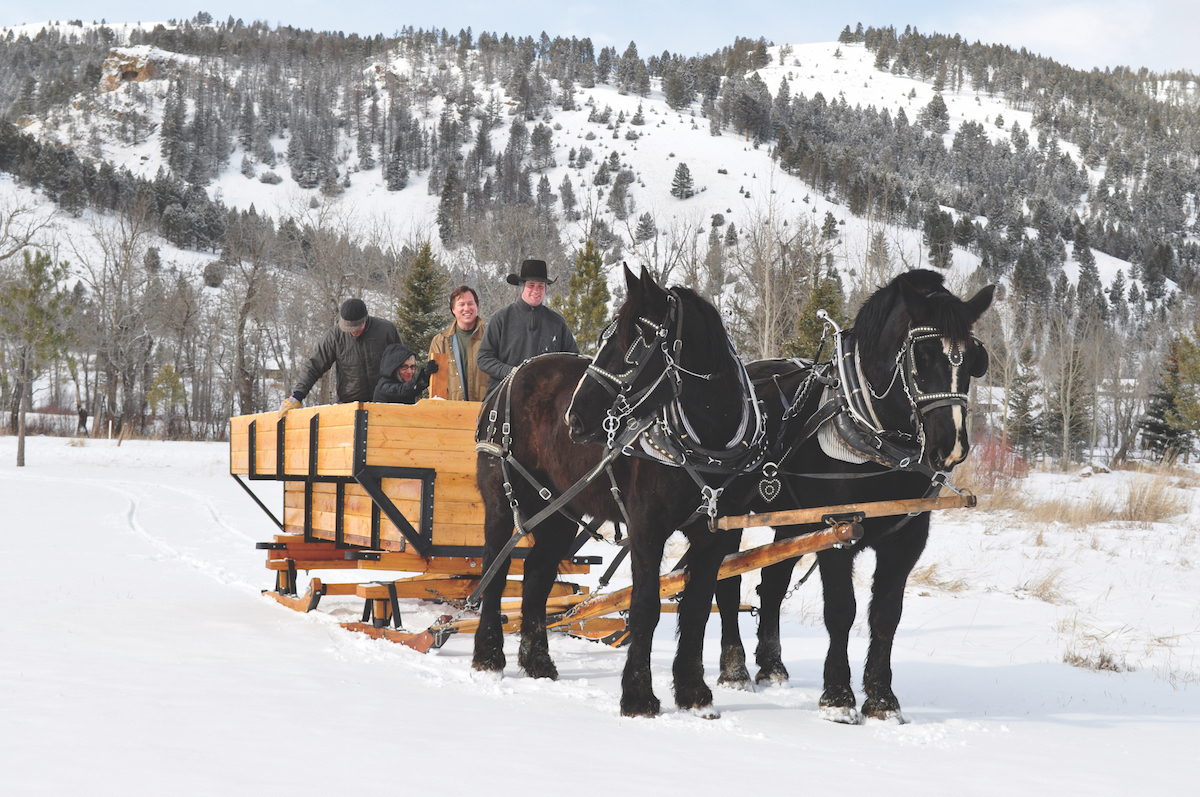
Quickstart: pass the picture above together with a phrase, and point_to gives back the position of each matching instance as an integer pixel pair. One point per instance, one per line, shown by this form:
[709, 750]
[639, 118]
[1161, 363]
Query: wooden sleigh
[391, 487]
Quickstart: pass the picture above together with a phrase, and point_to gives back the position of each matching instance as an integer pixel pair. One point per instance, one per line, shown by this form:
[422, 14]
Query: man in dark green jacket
[356, 345]
[523, 329]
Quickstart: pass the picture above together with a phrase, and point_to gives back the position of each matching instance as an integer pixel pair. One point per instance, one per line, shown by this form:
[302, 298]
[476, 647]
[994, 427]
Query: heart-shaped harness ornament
[769, 487]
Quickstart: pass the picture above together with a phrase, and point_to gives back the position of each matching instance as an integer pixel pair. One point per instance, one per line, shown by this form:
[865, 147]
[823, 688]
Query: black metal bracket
[257, 500]
[371, 478]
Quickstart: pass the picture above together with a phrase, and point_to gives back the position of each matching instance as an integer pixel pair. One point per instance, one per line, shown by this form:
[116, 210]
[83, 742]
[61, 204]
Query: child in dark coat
[400, 382]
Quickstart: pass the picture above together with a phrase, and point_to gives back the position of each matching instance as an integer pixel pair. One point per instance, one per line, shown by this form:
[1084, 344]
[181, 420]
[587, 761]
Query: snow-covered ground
[138, 657]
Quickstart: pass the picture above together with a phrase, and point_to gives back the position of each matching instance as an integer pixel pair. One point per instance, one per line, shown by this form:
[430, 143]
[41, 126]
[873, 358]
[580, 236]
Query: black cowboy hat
[530, 270]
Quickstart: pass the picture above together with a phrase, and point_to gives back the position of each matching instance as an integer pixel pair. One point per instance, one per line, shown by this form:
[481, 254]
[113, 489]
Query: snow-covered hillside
[732, 175]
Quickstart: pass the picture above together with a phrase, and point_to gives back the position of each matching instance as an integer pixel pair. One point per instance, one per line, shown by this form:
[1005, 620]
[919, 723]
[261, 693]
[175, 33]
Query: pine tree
[1025, 428]
[566, 195]
[935, 117]
[646, 228]
[829, 229]
[450, 208]
[421, 313]
[1090, 291]
[618, 195]
[585, 306]
[33, 309]
[939, 237]
[545, 196]
[681, 185]
[602, 177]
[366, 158]
[397, 169]
[1162, 430]
[825, 294]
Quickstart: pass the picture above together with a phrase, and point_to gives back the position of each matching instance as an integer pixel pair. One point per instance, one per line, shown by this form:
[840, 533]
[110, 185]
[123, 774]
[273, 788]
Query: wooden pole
[439, 383]
[735, 564]
[793, 517]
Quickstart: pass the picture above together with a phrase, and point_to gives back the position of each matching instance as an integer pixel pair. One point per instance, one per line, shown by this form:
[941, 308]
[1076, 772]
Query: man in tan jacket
[461, 343]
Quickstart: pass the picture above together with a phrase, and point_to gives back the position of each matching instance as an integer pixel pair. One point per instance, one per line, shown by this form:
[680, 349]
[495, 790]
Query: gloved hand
[290, 403]
[430, 367]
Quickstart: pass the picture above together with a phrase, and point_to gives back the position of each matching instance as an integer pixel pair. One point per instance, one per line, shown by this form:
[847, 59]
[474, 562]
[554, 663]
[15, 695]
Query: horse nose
[956, 455]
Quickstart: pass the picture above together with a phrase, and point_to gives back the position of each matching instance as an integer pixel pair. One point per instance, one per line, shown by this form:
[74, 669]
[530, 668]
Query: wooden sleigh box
[386, 477]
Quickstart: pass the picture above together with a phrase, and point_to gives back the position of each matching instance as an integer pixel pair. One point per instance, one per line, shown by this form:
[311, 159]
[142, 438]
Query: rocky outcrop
[133, 64]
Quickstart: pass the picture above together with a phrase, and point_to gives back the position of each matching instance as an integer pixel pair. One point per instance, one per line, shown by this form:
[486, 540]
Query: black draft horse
[663, 349]
[944, 357]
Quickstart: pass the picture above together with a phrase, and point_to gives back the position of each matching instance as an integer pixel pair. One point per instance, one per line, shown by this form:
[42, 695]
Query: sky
[1157, 34]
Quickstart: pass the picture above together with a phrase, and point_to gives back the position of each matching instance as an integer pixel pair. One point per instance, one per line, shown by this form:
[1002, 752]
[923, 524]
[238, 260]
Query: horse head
[917, 356]
[660, 347]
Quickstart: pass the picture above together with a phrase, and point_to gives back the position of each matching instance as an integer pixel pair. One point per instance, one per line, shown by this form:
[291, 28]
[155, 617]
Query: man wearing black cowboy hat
[523, 329]
[355, 344]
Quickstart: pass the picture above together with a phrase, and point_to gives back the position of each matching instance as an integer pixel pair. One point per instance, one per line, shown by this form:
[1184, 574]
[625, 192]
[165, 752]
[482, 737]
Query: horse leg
[498, 528]
[894, 560]
[554, 537]
[704, 560]
[771, 592]
[645, 555]
[837, 568]
[733, 655]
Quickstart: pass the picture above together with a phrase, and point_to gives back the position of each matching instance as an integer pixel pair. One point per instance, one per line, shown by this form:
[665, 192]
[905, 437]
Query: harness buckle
[708, 500]
[545, 493]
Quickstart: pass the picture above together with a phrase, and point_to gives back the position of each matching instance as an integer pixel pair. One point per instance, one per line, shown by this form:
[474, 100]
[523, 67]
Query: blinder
[980, 366]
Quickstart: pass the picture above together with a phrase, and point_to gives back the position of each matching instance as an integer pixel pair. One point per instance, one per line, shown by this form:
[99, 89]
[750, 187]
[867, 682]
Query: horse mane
[948, 313]
[719, 343]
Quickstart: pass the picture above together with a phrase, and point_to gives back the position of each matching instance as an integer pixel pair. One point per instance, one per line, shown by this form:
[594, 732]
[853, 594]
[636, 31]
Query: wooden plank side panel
[427, 413]
[239, 443]
[453, 452]
[330, 462]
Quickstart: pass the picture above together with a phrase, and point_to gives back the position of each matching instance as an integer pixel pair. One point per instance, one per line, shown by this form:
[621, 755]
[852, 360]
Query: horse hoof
[733, 668]
[772, 677]
[706, 712]
[890, 717]
[489, 664]
[739, 684]
[884, 710]
[844, 715]
[541, 670]
[649, 708]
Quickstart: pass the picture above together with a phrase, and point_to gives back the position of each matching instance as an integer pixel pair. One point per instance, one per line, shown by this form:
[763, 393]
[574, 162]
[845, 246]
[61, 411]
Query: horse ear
[632, 283]
[980, 302]
[914, 301]
[653, 290]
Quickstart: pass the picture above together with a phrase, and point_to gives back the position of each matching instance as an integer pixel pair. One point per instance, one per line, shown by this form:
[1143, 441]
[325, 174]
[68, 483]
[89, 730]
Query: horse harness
[664, 435]
[667, 435]
[848, 408]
